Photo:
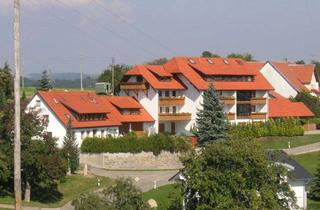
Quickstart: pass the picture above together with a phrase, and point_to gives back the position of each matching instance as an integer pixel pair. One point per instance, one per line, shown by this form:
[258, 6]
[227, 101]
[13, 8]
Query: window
[82, 134]
[38, 103]
[174, 109]
[226, 61]
[192, 61]
[46, 118]
[253, 108]
[210, 61]
[94, 133]
[167, 93]
[167, 109]
[139, 79]
[161, 109]
[174, 93]
[160, 94]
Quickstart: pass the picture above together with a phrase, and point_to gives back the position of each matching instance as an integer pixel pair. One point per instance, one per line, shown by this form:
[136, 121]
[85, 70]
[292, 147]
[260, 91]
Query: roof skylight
[192, 61]
[226, 61]
[210, 61]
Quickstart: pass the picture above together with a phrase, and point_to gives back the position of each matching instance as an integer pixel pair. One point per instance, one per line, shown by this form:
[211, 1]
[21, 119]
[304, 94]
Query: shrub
[133, 144]
[279, 127]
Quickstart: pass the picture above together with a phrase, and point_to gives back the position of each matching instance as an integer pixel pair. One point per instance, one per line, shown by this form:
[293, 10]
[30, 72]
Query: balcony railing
[133, 86]
[231, 116]
[174, 116]
[258, 101]
[171, 101]
[254, 116]
[227, 100]
[258, 116]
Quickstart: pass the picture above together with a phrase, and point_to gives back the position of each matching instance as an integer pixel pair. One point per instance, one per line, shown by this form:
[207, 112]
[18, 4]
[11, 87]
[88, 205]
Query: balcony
[227, 100]
[231, 116]
[171, 101]
[258, 101]
[258, 116]
[175, 116]
[126, 86]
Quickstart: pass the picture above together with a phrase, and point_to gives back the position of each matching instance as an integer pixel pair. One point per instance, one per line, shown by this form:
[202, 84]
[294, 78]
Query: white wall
[280, 84]
[54, 125]
[298, 187]
[313, 84]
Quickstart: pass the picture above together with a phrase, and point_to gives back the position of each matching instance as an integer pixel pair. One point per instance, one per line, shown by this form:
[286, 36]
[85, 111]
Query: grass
[31, 90]
[161, 195]
[309, 161]
[70, 189]
[282, 142]
[313, 205]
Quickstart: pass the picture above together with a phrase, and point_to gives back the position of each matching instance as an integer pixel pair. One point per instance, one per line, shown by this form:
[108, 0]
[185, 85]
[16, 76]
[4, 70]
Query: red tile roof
[282, 107]
[61, 102]
[147, 74]
[297, 75]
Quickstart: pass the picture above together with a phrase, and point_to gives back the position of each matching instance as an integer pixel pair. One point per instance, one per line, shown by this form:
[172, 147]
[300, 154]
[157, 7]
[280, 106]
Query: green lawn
[313, 205]
[31, 90]
[71, 188]
[161, 195]
[282, 142]
[309, 161]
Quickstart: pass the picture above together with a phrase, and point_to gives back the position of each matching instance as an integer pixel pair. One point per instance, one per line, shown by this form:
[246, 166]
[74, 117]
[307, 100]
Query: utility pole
[112, 73]
[17, 143]
[81, 73]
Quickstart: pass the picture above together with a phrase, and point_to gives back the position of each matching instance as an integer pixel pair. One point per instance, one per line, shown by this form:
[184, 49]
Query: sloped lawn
[71, 188]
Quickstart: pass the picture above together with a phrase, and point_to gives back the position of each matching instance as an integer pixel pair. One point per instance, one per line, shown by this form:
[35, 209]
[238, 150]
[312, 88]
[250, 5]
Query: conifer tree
[45, 83]
[211, 120]
[70, 148]
[315, 188]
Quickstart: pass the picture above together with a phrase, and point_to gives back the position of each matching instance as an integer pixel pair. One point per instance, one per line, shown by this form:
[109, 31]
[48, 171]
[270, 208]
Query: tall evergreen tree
[70, 148]
[211, 120]
[315, 188]
[45, 83]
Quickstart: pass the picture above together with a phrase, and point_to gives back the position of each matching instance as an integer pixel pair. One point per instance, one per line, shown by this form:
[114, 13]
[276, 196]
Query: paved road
[144, 179]
[303, 149]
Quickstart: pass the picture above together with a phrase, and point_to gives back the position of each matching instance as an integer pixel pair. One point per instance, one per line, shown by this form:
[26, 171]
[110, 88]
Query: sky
[70, 35]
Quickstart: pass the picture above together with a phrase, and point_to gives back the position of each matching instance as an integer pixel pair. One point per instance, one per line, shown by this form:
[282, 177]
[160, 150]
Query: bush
[133, 144]
[280, 127]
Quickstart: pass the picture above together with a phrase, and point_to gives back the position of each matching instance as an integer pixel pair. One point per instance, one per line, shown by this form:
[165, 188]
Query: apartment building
[172, 93]
[91, 115]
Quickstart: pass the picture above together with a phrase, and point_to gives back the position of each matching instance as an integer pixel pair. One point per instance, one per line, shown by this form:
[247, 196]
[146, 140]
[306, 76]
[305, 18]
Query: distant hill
[62, 80]
[61, 76]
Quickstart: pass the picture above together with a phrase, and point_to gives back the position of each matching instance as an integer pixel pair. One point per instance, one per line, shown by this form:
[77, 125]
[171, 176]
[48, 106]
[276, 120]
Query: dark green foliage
[208, 54]
[133, 144]
[122, 195]
[211, 120]
[24, 96]
[235, 175]
[312, 102]
[176, 199]
[244, 56]
[317, 69]
[159, 61]
[45, 83]
[300, 62]
[119, 71]
[279, 127]
[6, 85]
[90, 201]
[70, 148]
[315, 188]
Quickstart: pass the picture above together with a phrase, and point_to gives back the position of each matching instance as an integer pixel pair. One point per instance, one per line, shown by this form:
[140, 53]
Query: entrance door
[173, 128]
[161, 128]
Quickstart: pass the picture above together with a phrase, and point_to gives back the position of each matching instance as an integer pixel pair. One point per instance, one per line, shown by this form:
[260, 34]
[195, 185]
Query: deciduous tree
[208, 54]
[235, 174]
[244, 56]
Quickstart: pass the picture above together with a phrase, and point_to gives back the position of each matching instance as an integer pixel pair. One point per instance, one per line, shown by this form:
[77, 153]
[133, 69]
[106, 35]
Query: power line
[139, 30]
[104, 27]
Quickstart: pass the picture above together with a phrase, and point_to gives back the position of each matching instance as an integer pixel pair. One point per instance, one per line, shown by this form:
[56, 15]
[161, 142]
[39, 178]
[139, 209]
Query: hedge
[133, 144]
[280, 127]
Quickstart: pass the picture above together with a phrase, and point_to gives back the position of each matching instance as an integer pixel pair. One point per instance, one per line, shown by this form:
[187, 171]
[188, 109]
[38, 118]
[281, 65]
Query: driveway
[145, 180]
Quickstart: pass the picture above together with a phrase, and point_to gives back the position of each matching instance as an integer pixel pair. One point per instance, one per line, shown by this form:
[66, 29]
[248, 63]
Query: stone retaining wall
[130, 161]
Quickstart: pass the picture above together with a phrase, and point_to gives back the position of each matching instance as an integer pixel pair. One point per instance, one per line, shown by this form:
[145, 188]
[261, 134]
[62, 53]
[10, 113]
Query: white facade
[278, 81]
[57, 128]
[299, 189]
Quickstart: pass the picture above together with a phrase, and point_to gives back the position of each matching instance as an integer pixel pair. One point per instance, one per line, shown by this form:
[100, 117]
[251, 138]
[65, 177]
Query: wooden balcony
[258, 116]
[126, 86]
[243, 102]
[231, 116]
[171, 101]
[258, 101]
[227, 100]
[174, 116]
